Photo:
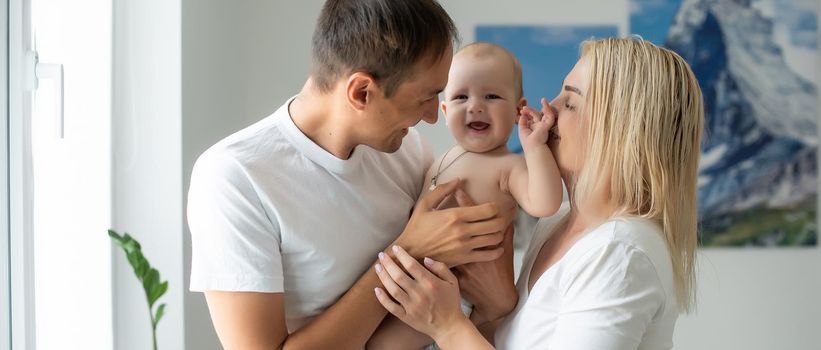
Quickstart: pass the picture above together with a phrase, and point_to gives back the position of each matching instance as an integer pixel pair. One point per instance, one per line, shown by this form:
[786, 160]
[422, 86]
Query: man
[287, 216]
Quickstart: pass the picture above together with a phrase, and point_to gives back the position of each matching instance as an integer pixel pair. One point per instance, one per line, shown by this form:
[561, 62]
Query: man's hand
[454, 236]
[489, 286]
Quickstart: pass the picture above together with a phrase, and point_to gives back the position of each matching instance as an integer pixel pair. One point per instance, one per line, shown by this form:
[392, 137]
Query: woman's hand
[534, 127]
[429, 303]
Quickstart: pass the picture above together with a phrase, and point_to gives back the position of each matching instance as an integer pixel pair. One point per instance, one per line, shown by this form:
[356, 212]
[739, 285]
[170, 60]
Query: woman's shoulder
[639, 232]
[627, 239]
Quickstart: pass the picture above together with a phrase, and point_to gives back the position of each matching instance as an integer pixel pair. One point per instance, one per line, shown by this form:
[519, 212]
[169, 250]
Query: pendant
[432, 184]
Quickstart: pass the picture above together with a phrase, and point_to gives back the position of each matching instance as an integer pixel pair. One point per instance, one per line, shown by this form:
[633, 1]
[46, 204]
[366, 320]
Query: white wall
[147, 165]
[240, 61]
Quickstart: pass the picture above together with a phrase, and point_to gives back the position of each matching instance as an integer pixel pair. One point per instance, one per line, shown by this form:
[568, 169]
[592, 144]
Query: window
[60, 152]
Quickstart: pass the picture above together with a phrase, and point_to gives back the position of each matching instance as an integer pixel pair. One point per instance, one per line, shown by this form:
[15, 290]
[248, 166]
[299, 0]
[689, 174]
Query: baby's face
[481, 102]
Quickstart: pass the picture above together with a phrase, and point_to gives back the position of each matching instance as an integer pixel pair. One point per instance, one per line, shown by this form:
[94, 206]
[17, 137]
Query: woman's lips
[553, 134]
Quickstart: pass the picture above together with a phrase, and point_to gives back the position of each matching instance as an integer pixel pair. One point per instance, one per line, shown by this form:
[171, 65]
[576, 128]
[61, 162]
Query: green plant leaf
[149, 284]
[160, 290]
[157, 291]
[134, 261]
[130, 247]
[159, 315]
[142, 268]
[116, 237]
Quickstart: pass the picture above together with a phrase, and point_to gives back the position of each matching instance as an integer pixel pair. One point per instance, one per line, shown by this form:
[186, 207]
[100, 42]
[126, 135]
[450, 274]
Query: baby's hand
[534, 127]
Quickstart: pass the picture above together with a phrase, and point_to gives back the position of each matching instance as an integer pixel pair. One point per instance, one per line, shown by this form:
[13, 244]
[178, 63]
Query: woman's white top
[613, 289]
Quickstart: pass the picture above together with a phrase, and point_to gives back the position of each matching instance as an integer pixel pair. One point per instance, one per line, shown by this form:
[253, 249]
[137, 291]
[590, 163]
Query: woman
[615, 267]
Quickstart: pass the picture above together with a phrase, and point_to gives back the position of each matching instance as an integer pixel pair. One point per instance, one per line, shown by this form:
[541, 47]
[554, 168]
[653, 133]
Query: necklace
[439, 169]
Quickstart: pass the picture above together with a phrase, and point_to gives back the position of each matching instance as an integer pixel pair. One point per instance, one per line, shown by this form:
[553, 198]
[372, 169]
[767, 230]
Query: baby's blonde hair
[646, 117]
[482, 49]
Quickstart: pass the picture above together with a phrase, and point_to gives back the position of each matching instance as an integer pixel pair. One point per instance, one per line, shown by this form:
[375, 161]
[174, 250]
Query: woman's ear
[359, 90]
[522, 104]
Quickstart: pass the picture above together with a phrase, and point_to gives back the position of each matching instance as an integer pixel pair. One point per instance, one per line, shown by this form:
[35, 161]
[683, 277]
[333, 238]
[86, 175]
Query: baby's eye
[492, 96]
[460, 97]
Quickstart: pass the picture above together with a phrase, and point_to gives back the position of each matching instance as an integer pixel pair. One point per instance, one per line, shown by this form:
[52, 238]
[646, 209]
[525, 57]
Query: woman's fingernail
[396, 249]
[377, 291]
[381, 256]
[378, 268]
[428, 261]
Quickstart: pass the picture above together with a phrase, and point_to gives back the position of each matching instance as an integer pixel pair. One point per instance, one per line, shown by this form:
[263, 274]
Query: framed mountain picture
[756, 62]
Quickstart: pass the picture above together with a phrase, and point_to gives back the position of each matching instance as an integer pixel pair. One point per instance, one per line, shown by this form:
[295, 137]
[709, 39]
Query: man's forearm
[348, 324]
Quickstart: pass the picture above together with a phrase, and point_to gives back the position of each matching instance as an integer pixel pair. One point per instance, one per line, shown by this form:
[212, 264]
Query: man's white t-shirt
[613, 289]
[271, 211]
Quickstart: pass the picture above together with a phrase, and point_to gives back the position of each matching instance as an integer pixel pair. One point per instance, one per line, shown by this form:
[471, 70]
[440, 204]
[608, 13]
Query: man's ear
[359, 89]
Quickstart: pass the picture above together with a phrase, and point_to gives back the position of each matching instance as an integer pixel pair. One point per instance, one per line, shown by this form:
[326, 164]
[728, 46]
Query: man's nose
[431, 114]
[431, 117]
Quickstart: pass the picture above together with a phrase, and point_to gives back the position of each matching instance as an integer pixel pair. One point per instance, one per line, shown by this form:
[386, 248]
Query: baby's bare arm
[536, 183]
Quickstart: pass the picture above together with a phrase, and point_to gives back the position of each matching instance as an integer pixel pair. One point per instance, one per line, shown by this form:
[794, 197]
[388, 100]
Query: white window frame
[5, 280]
[19, 176]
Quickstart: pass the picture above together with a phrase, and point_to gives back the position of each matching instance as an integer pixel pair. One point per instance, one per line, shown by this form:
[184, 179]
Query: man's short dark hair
[384, 38]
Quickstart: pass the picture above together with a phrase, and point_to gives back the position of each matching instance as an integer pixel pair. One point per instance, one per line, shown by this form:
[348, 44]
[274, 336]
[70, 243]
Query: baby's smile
[478, 126]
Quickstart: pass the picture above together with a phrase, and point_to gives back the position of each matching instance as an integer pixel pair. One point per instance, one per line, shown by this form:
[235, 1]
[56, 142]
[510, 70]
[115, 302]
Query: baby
[482, 101]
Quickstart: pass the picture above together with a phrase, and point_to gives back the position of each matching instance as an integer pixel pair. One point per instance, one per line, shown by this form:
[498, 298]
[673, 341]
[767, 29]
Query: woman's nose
[554, 109]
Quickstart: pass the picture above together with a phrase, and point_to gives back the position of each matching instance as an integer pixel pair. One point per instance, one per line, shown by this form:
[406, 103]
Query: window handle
[49, 71]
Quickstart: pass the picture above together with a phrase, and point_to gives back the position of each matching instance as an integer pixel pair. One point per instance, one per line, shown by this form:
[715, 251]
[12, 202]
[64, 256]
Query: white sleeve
[610, 298]
[234, 245]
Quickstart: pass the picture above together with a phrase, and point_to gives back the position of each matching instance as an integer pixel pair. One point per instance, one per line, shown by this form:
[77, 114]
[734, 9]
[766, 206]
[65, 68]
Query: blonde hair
[646, 117]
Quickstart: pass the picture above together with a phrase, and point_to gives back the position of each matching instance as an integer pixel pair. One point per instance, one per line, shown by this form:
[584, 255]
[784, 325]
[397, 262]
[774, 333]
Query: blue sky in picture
[652, 18]
[547, 54]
